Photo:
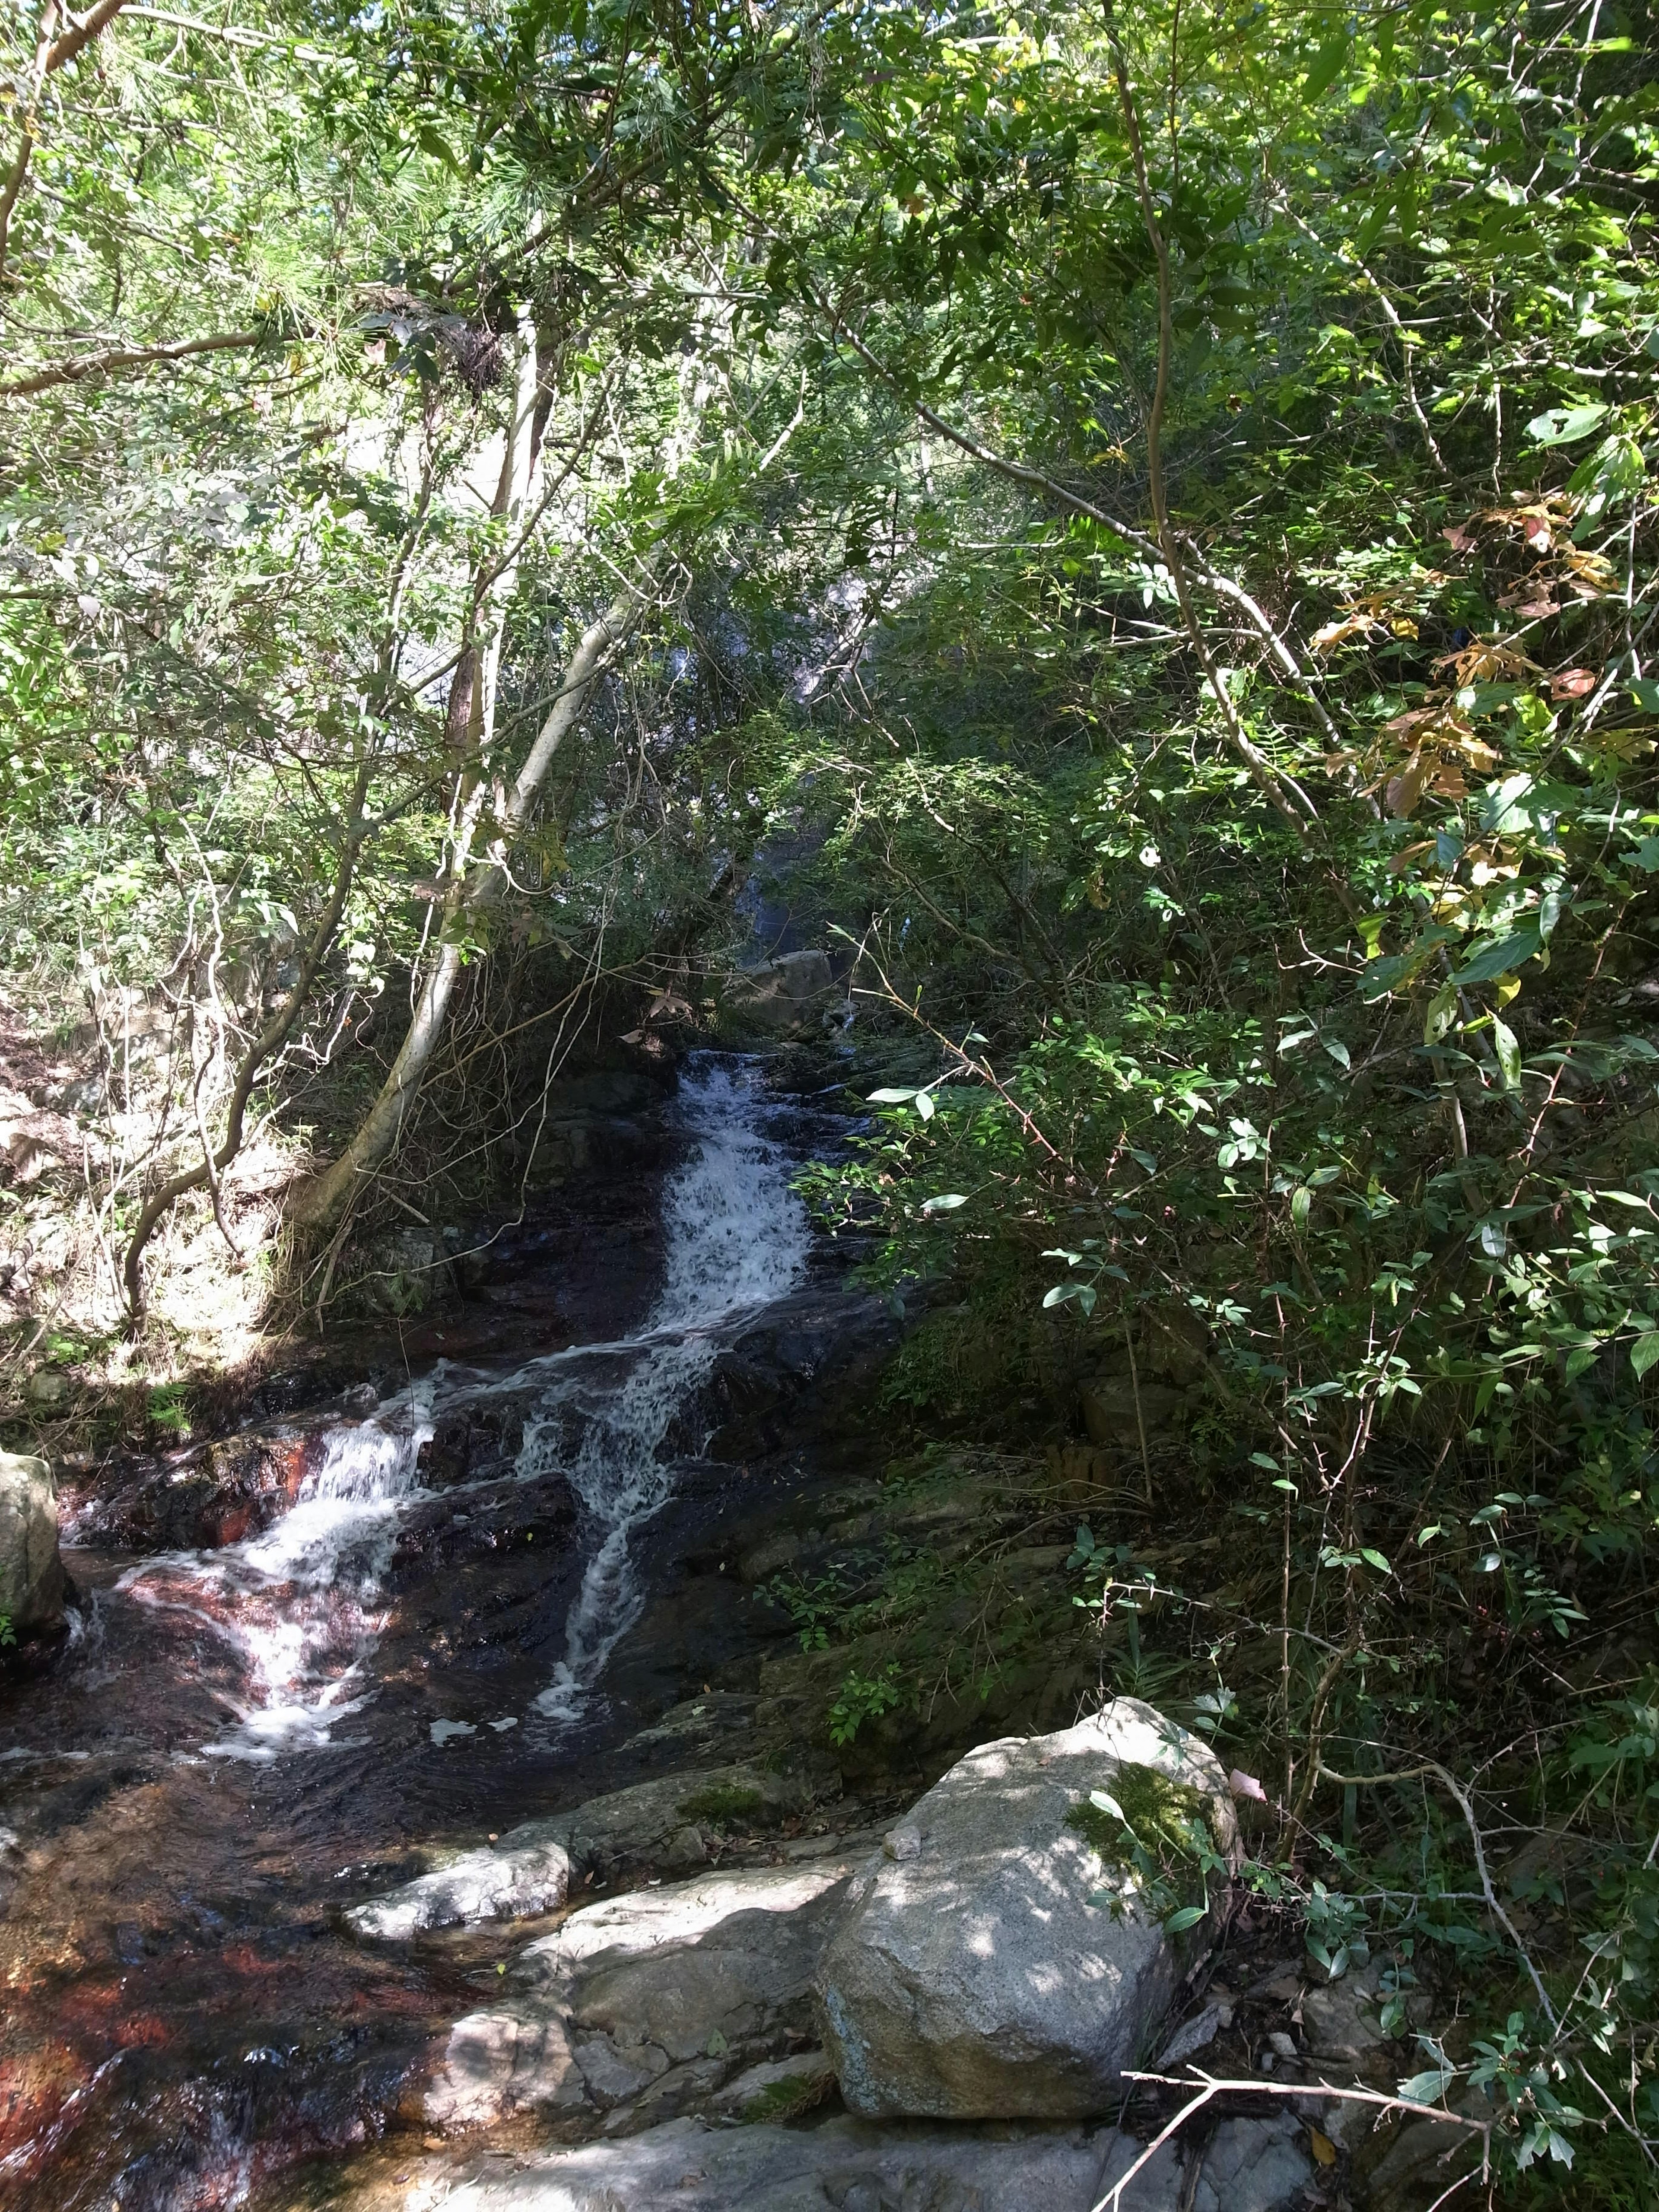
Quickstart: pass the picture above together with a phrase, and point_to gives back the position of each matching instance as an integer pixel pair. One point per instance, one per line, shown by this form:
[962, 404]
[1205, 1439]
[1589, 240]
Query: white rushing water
[737, 1239]
[301, 1606]
[298, 1604]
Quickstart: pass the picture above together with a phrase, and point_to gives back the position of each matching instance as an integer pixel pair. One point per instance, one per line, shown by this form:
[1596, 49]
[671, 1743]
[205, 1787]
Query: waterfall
[301, 1605]
[297, 1604]
[737, 1239]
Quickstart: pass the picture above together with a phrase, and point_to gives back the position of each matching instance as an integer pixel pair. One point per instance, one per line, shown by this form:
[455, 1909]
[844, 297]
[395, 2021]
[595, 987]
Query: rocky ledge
[938, 2012]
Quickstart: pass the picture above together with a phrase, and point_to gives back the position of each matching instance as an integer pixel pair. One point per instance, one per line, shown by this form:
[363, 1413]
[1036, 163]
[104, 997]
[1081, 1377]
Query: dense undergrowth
[1143, 521]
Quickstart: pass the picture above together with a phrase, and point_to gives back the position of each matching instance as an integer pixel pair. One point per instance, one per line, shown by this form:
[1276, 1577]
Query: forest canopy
[1151, 506]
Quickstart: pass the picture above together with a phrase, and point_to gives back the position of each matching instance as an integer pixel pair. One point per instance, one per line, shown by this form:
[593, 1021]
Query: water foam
[297, 1604]
[738, 1238]
[300, 1606]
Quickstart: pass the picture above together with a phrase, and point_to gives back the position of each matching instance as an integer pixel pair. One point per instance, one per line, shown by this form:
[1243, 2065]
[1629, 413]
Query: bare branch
[100, 364]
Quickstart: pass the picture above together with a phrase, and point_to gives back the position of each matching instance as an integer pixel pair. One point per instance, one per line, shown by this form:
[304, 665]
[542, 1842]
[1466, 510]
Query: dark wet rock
[994, 1961]
[32, 1581]
[820, 1341]
[470, 1444]
[218, 1494]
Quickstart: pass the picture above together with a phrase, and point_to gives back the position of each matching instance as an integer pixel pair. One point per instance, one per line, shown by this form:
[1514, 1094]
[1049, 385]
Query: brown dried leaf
[1405, 789]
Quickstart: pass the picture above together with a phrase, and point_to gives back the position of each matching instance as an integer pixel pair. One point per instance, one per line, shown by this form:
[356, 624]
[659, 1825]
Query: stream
[239, 1740]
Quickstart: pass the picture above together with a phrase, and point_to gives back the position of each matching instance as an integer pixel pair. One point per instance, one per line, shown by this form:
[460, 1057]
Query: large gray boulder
[998, 1959]
[31, 1572]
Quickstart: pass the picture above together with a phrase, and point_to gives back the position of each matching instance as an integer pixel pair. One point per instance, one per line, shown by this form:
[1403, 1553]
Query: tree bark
[473, 883]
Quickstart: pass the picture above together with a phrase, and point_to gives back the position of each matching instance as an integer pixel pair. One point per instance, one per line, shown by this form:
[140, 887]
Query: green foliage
[1157, 1831]
[725, 1804]
[1250, 864]
[865, 1698]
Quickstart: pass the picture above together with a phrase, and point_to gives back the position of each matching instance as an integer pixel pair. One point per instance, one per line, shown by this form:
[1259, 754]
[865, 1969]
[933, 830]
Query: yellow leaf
[1323, 2149]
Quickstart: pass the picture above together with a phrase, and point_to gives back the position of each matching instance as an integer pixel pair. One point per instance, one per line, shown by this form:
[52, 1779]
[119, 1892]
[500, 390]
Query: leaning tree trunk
[323, 1202]
[474, 884]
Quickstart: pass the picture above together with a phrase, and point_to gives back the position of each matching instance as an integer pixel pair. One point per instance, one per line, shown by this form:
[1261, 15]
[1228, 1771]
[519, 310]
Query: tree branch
[99, 364]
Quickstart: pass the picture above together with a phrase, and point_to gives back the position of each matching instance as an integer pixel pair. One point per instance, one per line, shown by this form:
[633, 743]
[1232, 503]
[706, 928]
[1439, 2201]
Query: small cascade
[297, 1604]
[737, 1239]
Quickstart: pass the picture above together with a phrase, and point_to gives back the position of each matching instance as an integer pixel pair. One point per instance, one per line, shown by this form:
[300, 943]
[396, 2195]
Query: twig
[1433, 1766]
[1214, 2086]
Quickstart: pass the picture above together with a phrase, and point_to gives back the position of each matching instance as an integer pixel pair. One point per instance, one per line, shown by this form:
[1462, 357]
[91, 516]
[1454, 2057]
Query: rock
[31, 1585]
[1191, 2036]
[1407, 2164]
[781, 2089]
[48, 1389]
[788, 995]
[402, 1270]
[1007, 1970]
[1345, 2045]
[1247, 2166]
[715, 1973]
[1109, 1410]
[634, 1826]
[842, 2163]
[529, 1869]
[614, 2074]
[486, 1885]
[1340, 2027]
[218, 1494]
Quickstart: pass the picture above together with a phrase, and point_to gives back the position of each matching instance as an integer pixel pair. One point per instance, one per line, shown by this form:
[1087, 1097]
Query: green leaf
[1326, 65]
[925, 1105]
[891, 1097]
[1498, 956]
[1509, 1052]
[1643, 1353]
[1376, 1559]
[1561, 426]
[1104, 1801]
[1188, 1917]
[1429, 2086]
[946, 1202]
[1442, 1014]
[1301, 1204]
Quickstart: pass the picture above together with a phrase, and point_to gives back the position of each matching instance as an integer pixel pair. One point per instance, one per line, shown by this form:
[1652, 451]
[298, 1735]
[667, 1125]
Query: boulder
[998, 1960]
[687, 1984]
[781, 996]
[32, 1582]
[529, 1869]
[485, 1884]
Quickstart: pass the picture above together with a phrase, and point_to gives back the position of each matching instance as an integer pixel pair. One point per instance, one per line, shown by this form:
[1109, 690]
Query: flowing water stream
[238, 1729]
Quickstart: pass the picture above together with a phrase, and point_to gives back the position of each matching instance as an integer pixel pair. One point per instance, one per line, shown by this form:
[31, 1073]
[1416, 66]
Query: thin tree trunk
[269, 1041]
[473, 884]
[469, 892]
